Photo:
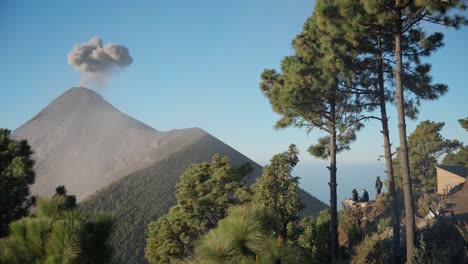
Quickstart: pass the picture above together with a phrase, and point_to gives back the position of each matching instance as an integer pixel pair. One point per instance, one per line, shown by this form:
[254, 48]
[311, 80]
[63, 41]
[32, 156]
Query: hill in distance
[116, 164]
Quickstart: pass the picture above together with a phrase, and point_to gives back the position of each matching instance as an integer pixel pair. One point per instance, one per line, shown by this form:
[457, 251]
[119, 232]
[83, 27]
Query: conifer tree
[426, 145]
[276, 189]
[403, 19]
[244, 236]
[56, 234]
[204, 193]
[316, 90]
[16, 174]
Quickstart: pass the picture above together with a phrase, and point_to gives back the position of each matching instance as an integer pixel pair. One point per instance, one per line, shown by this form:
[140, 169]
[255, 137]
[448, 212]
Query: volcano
[116, 164]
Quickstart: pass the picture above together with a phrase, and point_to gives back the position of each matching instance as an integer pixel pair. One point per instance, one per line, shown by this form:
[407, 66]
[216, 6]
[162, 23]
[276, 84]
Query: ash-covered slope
[83, 142]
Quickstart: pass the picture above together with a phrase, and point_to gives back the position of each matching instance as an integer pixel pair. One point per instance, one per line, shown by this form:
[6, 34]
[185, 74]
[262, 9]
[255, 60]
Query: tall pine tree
[403, 19]
[316, 90]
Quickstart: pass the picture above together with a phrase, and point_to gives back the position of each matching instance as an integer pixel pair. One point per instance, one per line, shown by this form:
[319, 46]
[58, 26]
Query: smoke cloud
[97, 63]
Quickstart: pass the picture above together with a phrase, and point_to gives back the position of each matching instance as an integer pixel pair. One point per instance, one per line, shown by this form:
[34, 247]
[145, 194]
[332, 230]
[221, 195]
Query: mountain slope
[114, 163]
[143, 196]
[83, 142]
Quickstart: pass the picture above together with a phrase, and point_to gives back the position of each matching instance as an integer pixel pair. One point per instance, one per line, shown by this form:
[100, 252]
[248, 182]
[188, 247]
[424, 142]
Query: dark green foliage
[349, 222]
[426, 145]
[96, 239]
[314, 239]
[458, 158]
[206, 190]
[55, 234]
[70, 199]
[440, 243]
[204, 193]
[244, 236]
[135, 201]
[403, 20]
[141, 197]
[172, 236]
[316, 90]
[16, 174]
[464, 123]
[277, 189]
[375, 246]
[461, 157]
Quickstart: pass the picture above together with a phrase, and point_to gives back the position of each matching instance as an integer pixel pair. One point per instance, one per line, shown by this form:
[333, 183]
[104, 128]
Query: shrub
[440, 243]
[375, 248]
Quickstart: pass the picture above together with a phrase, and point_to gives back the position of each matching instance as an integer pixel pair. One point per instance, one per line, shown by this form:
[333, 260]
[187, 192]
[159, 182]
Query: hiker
[378, 186]
[355, 196]
[365, 196]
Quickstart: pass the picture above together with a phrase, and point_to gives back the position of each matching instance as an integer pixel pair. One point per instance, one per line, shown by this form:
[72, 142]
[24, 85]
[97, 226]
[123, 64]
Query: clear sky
[196, 64]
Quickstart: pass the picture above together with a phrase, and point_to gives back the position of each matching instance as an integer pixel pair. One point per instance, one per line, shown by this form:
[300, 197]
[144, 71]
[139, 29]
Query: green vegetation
[204, 193]
[16, 174]
[200, 219]
[425, 145]
[141, 197]
[277, 189]
[243, 237]
[57, 233]
[134, 205]
[351, 58]
[459, 158]
[313, 238]
[347, 57]
[315, 90]
[464, 123]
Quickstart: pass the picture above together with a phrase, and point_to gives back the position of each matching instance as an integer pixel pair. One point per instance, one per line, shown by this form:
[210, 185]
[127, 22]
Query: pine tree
[56, 234]
[403, 19]
[204, 193]
[277, 189]
[16, 174]
[244, 236]
[316, 90]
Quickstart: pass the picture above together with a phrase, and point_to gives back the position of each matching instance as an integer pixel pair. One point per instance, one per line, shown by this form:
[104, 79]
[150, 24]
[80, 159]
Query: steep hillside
[83, 142]
[143, 196]
[117, 164]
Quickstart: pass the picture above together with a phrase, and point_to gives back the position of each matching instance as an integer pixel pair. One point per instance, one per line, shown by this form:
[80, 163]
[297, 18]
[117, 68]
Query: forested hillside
[143, 196]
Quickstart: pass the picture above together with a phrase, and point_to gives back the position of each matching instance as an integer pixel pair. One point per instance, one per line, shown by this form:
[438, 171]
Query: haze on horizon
[195, 64]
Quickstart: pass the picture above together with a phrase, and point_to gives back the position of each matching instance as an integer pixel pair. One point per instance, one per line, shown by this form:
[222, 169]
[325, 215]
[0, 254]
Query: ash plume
[96, 62]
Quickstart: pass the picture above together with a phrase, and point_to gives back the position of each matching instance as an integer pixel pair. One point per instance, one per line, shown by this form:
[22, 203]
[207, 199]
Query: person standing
[355, 196]
[378, 186]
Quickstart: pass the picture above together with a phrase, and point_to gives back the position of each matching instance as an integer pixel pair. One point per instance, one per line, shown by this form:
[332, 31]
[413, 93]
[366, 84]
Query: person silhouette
[378, 186]
[365, 196]
[355, 196]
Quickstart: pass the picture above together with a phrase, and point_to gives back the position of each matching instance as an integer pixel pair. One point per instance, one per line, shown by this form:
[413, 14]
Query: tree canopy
[204, 193]
[57, 234]
[277, 189]
[316, 90]
[16, 174]
[426, 145]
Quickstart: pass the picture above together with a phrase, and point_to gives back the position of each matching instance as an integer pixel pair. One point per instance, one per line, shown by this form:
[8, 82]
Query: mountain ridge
[116, 164]
[80, 127]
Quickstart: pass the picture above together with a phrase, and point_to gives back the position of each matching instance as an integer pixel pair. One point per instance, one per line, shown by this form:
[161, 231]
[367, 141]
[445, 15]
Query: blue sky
[196, 64]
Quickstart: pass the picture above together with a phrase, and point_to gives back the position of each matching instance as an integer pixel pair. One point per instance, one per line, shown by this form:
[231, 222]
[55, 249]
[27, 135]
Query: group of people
[365, 194]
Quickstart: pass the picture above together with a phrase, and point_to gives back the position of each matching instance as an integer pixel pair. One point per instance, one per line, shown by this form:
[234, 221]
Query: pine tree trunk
[333, 198]
[388, 161]
[405, 170]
